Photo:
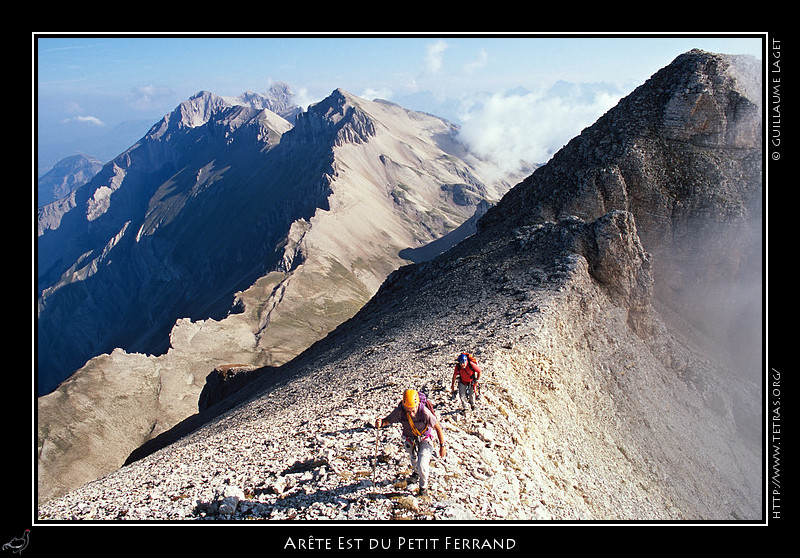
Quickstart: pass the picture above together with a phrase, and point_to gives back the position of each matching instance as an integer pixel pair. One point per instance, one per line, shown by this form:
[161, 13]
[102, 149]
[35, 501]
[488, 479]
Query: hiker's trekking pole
[375, 462]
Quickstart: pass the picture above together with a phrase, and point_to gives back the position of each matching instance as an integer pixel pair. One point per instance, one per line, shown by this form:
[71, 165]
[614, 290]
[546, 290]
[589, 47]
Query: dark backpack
[427, 402]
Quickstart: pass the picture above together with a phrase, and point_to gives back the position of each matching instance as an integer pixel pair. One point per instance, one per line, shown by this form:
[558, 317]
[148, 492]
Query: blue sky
[86, 85]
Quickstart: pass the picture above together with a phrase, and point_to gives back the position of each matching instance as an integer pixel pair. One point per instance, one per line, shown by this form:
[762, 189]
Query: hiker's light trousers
[420, 455]
[466, 394]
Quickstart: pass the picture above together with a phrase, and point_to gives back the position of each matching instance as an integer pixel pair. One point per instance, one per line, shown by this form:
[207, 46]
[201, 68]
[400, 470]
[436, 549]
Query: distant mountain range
[65, 177]
[222, 192]
[227, 235]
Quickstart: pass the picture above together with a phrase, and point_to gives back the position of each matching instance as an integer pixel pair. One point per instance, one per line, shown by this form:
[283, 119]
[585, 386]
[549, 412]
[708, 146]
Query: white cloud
[303, 99]
[433, 56]
[479, 62]
[91, 120]
[531, 127]
[149, 97]
[382, 93]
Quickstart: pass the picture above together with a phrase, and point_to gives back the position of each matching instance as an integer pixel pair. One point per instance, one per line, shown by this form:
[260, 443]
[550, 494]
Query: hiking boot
[423, 492]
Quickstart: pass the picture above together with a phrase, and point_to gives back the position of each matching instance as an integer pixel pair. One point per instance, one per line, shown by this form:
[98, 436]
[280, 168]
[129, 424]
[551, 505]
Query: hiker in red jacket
[468, 372]
[419, 423]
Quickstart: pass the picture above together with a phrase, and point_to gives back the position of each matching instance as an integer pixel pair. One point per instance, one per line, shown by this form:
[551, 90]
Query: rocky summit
[602, 397]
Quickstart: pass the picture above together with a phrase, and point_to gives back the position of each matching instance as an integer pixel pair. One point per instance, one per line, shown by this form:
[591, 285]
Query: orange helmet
[410, 399]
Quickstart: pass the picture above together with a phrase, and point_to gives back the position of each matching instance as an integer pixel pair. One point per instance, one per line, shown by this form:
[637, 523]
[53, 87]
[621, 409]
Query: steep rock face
[594, 405]
[140, 245]
[264, 240]
[335, 121]
[683, 154]
[613, 253]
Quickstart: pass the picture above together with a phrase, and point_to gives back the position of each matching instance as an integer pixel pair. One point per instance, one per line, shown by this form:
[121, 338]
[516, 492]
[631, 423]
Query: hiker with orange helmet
[467, 372]
[418, 422]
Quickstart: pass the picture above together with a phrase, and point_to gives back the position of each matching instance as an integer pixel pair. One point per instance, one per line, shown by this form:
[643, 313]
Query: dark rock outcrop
[223, 382]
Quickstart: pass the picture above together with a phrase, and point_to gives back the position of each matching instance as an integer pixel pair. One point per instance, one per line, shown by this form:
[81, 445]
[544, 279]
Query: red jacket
[472, 371]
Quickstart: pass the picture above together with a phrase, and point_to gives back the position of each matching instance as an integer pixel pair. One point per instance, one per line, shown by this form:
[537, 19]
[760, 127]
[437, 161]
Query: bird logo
[18, 544]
